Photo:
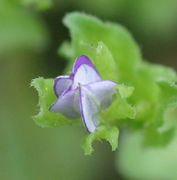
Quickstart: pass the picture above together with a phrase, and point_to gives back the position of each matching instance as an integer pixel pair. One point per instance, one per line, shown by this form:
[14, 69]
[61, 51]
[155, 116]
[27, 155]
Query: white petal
[62, 84]
[102, 92]
[89, 110]
[85, 74]
[68, 105]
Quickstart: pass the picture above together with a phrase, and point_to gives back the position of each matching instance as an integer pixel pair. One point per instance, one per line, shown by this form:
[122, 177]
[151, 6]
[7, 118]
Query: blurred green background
[30, 33]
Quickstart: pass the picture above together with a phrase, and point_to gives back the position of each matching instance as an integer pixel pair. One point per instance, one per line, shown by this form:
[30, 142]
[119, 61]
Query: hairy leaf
[45, 118]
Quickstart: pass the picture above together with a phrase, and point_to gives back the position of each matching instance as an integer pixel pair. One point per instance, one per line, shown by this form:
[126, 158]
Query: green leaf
[90, 30]
[125, 91]
[162, 73]
[120, 108]
[45, 118]
[148, 97]
[168, 110]
[108, 133]
[163, 122]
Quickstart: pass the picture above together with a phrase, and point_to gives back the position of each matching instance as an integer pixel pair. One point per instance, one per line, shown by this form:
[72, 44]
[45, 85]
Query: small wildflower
[83, 93]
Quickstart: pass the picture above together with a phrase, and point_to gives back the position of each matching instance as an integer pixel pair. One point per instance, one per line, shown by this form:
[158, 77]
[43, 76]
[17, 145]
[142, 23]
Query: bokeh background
[30, 33]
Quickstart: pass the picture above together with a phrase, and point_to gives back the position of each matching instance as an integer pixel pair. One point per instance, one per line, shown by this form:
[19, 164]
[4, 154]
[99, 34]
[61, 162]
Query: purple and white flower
[83, 93]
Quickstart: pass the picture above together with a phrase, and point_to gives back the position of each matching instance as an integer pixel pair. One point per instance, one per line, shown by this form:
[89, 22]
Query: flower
[83, 93]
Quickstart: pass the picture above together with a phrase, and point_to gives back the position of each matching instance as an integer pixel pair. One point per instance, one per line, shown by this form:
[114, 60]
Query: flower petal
[82, 60]
[62, 84]
[84, 72]
[102, 92]
[89, 110]
[84, 75]
[68, 104]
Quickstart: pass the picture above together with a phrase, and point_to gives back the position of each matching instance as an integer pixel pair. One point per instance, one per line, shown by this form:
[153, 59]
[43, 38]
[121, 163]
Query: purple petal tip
[82, 60]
